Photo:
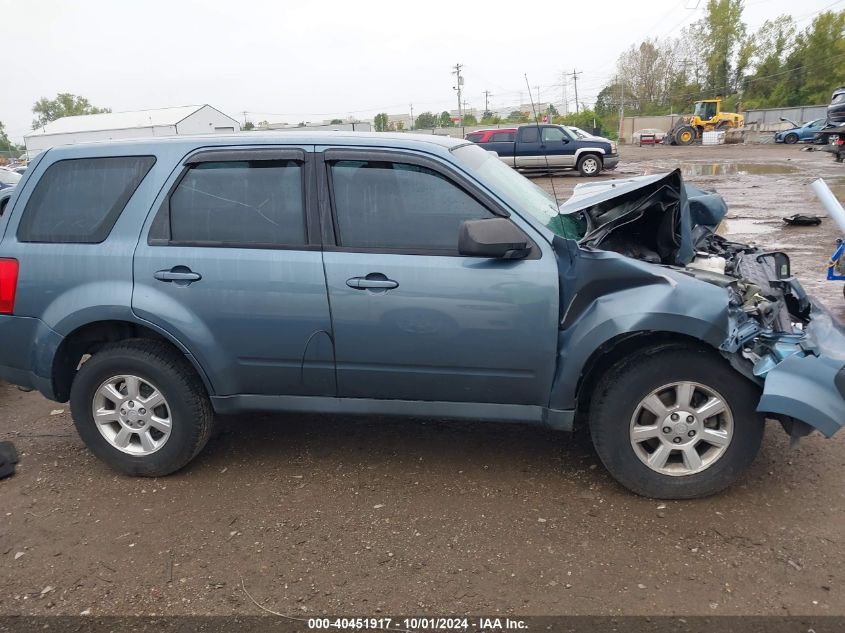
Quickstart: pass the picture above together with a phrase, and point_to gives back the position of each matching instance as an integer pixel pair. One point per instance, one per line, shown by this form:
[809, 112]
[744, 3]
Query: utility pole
[412, 115]
[487, 96]
[621, 107]
[575, 82]
[565, 101]
[459, 87]
[244, 113]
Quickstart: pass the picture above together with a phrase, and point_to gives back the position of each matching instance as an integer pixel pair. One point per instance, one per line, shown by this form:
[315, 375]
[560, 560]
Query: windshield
[512, 186]
[577, 132]
[9, 177]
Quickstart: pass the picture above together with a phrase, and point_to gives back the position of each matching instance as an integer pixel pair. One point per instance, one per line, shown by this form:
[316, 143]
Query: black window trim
[328, 212]
[125, 198]
[159, 232]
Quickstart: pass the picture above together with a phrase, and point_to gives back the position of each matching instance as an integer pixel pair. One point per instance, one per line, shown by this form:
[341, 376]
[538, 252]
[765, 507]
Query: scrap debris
[8, 459]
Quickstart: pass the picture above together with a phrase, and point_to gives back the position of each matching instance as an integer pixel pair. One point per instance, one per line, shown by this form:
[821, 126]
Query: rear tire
[725, 435]
[589, 165]
[139, 442]
[790, 139]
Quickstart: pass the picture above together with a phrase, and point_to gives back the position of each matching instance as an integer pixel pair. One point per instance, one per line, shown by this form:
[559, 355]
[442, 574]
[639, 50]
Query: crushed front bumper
[809, 384]
[610, 162]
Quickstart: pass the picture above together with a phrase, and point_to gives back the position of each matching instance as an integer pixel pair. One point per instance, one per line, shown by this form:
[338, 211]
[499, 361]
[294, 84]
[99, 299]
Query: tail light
[8, 285]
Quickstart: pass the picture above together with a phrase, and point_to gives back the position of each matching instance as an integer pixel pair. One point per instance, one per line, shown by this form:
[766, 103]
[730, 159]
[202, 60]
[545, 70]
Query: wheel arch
[90, 337]
[598, 152]
[627, 345]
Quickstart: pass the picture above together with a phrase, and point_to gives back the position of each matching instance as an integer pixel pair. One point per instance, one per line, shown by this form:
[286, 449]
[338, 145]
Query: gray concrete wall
[631, 124]
[769, 118]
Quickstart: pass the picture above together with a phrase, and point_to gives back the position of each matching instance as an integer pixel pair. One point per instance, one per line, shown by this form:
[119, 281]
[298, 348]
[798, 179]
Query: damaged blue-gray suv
[154, 283]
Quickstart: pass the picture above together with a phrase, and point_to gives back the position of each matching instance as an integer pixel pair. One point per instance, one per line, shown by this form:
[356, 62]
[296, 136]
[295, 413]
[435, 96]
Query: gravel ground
[348, 516]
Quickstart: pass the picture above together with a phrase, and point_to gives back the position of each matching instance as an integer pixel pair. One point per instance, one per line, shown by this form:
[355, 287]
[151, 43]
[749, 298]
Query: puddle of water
[837, 186]
[740, 226]
[738, 169]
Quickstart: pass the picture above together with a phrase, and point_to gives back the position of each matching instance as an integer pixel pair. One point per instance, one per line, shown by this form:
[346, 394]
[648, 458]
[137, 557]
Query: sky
[317, 60]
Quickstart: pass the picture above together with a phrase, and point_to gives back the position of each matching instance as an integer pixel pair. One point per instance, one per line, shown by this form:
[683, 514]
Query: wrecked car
[156, 283]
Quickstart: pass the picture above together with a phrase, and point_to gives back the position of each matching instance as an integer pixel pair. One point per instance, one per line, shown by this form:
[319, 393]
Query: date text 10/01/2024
[417, 624]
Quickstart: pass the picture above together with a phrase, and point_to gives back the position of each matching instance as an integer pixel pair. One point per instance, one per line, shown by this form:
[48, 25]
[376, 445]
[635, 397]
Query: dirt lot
[348, 516]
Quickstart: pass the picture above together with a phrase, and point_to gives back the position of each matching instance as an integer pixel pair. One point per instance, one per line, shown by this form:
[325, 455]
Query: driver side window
[399, 206]
[554, 134]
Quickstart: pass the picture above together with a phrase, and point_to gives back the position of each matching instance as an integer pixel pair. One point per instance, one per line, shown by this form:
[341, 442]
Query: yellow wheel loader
[706, 116]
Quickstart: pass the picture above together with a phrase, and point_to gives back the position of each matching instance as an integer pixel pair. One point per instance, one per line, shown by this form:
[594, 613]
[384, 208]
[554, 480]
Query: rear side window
[503, 137]
[79, 200]
[529, 135]
[240, 203]
[475, 137]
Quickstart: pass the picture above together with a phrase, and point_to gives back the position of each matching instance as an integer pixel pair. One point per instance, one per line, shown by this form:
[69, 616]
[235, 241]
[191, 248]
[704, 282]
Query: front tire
[589, 165]
[675, 422]
[141, 408]
[685, 135]
[790, 139]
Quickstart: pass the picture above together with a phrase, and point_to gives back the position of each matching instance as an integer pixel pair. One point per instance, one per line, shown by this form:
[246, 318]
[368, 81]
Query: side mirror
[493, 237]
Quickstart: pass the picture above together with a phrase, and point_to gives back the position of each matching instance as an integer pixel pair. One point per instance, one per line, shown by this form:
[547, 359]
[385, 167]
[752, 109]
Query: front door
[414, 320]
[232, 269]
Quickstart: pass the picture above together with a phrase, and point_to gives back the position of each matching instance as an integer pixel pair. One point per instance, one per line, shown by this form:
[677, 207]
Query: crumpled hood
[661, 214]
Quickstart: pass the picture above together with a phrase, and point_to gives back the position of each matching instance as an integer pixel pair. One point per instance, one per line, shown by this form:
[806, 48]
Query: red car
[505, 134]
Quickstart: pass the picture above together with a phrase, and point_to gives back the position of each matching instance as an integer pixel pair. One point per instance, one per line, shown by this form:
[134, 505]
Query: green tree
[5, 144]
[718, 37]
[426, 121]
[816, 66]
[65, 104]
[336, 121]
[248, 125]
[469, 119]
[770, 49]
[517, 117]
[490, 118]
[446, 119]
[380, 122]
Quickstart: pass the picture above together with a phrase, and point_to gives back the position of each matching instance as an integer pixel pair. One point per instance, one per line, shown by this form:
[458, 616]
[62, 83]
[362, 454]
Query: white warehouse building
[69, 130]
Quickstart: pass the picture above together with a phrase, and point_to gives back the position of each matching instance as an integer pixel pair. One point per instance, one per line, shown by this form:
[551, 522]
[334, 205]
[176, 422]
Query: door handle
[363, 283]
[181, 275]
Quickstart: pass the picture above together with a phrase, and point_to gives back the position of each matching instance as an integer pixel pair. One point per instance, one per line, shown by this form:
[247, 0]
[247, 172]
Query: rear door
[413, 319]
[230, 265]
[528, 151]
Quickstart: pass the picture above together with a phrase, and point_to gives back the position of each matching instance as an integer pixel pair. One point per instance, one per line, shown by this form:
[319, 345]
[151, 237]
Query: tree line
[776, 65]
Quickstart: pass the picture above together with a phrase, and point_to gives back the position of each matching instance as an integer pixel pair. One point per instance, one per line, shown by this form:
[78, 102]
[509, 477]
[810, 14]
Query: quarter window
[399, 206]
[238, 203]
[79, 200]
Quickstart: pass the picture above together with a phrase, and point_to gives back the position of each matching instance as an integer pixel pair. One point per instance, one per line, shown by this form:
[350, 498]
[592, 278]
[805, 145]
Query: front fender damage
[760, 318]
[804, 376]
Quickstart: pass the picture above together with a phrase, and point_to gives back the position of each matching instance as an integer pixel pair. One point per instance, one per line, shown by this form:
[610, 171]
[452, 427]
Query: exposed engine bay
[672, 225]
